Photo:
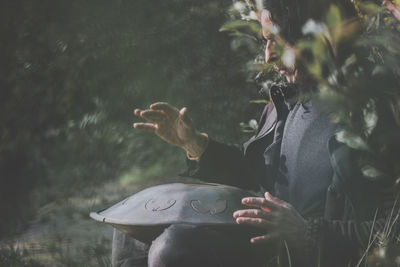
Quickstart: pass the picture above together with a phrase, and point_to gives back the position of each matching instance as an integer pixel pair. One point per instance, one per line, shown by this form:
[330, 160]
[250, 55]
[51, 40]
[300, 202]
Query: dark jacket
[353, 205]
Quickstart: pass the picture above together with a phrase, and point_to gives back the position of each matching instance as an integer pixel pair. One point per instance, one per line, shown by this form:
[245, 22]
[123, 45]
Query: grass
[63, 234]
[386, 250]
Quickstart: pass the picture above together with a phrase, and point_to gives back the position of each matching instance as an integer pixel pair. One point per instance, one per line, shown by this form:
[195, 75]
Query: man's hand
[278, 218]
[174, 126]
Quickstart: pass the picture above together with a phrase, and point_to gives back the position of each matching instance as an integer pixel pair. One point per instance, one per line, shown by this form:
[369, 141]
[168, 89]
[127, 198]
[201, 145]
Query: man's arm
[242, 166]
[221, 163]
[208, 159]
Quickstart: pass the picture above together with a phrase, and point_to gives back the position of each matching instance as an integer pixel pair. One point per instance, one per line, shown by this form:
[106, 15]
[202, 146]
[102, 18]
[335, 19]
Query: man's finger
[264, 238]
[163, 106]
[256, 222]
[145, 126]
[153, 115]
[260, 202]
[252, 213]
[184, 116]
[136, 112]
[275, 200]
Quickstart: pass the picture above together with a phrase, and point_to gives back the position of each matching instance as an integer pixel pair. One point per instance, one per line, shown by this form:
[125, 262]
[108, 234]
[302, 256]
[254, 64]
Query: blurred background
[71, 73]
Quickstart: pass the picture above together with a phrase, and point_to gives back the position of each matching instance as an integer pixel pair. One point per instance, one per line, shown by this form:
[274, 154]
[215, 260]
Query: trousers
[191, 246]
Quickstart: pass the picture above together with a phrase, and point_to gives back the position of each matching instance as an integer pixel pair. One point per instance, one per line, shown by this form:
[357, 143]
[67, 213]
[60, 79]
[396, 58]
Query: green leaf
[241, 34]
[352, 140]
[250, 27]
[370, 8]
[253, 124]
[250, 127]
[333, 17]
[370, 117]
[259, 101]
[372, 173]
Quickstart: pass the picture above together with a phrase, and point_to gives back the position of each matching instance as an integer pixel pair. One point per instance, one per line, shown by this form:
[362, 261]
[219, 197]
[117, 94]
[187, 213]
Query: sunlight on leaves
[352, 140]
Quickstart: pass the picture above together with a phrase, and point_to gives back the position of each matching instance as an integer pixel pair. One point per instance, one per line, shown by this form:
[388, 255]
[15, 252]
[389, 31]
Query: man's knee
[188, 245]
[180, 245]
[127, 251]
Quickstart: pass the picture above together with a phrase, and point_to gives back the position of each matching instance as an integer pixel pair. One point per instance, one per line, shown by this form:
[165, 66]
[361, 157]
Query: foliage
[73, 71]
[14, 257]
[358, 75]
[354, 61]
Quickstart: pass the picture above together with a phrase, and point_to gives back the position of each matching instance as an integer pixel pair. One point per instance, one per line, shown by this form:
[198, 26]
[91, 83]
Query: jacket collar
[283, 97]
[284, 93]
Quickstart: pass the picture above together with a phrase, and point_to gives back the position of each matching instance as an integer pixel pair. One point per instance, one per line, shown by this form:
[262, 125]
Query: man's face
[271, 47]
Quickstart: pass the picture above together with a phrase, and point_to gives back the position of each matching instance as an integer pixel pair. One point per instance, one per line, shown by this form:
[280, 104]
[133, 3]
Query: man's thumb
[184, 116]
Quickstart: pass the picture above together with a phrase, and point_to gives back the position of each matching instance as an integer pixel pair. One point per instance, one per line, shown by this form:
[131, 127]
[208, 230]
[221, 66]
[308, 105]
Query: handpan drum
[147, 213]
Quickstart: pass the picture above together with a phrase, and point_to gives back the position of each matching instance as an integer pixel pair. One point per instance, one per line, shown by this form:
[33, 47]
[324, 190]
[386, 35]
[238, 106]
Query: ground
[63, 234]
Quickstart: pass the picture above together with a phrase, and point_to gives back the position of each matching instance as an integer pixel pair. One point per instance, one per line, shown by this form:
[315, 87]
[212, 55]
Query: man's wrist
[195, 149]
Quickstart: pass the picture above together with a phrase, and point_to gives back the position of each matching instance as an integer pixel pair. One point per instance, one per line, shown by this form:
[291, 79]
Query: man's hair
[291, 15]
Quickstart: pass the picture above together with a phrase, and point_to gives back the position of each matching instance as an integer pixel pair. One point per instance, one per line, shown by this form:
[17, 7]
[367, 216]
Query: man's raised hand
[174, 126]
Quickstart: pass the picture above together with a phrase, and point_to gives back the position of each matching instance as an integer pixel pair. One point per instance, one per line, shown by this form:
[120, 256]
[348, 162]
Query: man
[322, 211]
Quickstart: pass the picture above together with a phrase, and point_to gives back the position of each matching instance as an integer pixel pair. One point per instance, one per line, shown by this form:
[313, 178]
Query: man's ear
[265, 17]
[266, 22]
[258, 14]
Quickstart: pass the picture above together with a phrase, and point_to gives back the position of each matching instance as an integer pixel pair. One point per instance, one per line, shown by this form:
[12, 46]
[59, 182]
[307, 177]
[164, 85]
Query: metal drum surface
[146, 213]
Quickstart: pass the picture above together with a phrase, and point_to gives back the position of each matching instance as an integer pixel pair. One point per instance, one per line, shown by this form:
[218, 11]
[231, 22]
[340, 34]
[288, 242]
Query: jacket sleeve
[220, 163]
[228, 164]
